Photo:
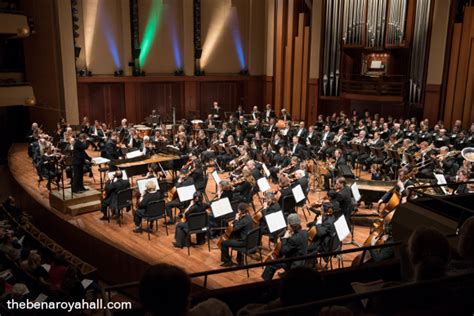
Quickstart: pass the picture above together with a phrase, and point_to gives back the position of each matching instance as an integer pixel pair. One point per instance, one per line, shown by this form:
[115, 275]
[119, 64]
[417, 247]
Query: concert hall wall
[110, 99]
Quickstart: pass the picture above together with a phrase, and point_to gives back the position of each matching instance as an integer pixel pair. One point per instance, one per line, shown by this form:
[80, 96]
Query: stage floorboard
[159, 248]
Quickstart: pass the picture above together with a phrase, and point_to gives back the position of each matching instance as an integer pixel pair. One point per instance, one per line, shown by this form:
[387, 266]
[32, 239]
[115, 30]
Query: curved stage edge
[120, 255]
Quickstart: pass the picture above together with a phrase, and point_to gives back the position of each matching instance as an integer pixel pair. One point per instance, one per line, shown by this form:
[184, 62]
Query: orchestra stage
[120, 254]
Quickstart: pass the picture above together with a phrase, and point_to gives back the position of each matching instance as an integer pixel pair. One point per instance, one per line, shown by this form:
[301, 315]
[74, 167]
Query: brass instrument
[468, 154]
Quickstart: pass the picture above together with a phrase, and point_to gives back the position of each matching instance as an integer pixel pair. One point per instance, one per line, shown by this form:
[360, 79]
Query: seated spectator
[71, 285]
[57, 273]
[33, 266]
[164, 290]
[11, 208]
[10, 246]
[465, 248]
[429, 253]
[300, 285]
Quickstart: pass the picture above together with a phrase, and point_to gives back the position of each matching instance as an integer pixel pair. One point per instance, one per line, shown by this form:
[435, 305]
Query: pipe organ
[375, 50]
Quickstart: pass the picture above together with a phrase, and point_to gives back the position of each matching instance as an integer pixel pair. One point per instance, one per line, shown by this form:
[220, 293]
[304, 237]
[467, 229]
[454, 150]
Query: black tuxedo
[79, 157]
[241, 228]
[325, 232]
[142, 206]
[344, 197]
[269, 114]
[111, 151]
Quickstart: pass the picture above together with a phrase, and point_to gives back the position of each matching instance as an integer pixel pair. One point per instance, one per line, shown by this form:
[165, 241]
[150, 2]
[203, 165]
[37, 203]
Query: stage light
[216, 28]
[151, 29]
[118, 73]
[179, 72]
[90, 21]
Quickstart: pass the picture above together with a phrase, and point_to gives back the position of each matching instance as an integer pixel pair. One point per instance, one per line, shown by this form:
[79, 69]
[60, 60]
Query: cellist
[402, 186]
[240, 227]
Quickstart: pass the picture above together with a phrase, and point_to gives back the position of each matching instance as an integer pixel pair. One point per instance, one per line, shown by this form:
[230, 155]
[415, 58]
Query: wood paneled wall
[459, 102]
[110, 99]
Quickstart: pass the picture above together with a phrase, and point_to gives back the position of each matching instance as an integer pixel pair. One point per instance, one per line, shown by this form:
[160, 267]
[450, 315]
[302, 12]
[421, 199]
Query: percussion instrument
[280, 124]
[468, 154]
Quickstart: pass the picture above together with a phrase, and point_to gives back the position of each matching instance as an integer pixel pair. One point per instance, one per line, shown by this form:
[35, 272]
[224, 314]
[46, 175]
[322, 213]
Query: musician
[242, 192]
[241, 226]
[79, 157]
[293, 244]
[132, 140]
[424, 162]
[240, 112]
[123, 131]
[411, 133]
[255, 114]
[344, 198]
[112, 188]
[441, 139]
[216, 111]
[402, 187]
[296, 149]
[302, 132]
[48, 165]
[278, 142]
[325, 229]
[110, 150]
[326, 138]
[462, 176]
[270, 205]
[376, 144]
[146, 147]
[283, 194]
[150, 195]
[196, 206]
[448, 164]
[183, 179]
[281, 160]
[85, 125]
[284, 115]
[197, 173]
[254, 170]
[269, 113]
[333, 168]
[301, 179]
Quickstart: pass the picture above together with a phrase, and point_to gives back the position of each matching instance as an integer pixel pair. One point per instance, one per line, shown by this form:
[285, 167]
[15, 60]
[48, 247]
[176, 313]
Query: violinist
[281, 161]
[270, 205]
[301, 179]
[49, 165]
[150, 195]
[283, 194]
[197, 173]
[224, 190]
[344, 198]
[112, 188]
[154, 171]
[294, 243]
[240, 227]
[325, 229]
[196, 206]
[243, 190]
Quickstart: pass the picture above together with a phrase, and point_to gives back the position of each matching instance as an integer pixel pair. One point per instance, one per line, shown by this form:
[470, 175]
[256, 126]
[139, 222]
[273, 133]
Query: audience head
[466, 239]
[300, 285]
[164, 290]
[429, 253]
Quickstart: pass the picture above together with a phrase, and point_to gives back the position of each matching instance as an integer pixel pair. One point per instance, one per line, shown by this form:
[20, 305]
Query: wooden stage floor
[159, 248]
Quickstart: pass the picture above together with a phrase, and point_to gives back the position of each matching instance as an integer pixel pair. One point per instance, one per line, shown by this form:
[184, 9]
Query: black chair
[198, 223]
[124, 200]
[252, 244]
[288, 204]
[154, 211]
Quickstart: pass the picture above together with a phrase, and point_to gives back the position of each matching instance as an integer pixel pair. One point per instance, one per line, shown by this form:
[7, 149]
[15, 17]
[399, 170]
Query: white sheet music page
[141, 184]
[355, 192]
[342, 229]
[298, 193]
[186, 193]
[263, 184]
[216, 177]
[221, 207]
[275, 221]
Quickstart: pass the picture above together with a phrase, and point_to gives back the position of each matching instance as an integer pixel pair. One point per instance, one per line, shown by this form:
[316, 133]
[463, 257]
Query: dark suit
[295, 246]
[79, 157]
[112, 190]
[325, 231]
[176, 203]
[182, 228]
[240, 231]
[332, 173]
[142, 206]
[269, 114]
[344, 197]
[110, 151]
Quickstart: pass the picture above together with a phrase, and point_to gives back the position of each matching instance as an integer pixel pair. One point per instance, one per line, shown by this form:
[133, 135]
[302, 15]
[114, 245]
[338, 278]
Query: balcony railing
[377, 88]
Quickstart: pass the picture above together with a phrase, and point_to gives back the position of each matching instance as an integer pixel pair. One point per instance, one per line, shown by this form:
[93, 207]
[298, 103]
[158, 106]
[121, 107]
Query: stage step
[79, 203]
[78, 209]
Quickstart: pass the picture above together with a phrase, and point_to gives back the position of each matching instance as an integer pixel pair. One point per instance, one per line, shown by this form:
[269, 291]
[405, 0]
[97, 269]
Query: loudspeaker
[77, 51]
[136, 53]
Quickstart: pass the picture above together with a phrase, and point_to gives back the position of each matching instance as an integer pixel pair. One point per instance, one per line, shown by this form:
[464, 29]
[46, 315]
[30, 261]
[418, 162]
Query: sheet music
[141, 184]
[275, 221]
[355, 192]
[133, 154]
[46, 266]
[111, 174]
[342, 229]
[221, 207]
[265, 170]
[186, 193]
[441, 180]
[99, 160]
[41, 298]
[86, 282]
[298, 193]
[216, 177]
[263, 184]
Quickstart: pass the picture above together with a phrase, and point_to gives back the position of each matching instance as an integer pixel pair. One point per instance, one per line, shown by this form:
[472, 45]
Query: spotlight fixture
[179, 72]
[89, 73]
[81, 72]
[118, 73]
[244, 72]
[77, 51]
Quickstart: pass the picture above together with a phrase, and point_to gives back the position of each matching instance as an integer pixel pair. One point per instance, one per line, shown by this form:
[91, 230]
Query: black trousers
[231, 243]
[137, 218]
[77, 177]
[270, 270]
[181, 234]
